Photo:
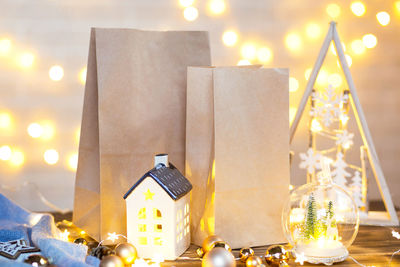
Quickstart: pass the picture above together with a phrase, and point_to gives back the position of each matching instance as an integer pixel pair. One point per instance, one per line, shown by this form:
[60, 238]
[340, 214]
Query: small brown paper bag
[237, 153]
[134, 107]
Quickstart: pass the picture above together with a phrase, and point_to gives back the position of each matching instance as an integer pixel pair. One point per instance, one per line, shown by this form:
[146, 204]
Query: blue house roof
[169, 178]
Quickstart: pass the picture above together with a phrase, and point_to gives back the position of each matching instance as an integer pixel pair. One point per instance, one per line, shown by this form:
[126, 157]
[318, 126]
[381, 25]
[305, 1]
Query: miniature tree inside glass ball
[321, 220]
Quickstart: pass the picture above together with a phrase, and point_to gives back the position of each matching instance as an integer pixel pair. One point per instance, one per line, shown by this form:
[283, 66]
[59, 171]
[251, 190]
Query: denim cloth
[40, 230]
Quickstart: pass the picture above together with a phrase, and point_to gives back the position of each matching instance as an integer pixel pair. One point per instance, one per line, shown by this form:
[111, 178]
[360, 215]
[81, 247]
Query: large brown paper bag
[134, 107]
[237, 153]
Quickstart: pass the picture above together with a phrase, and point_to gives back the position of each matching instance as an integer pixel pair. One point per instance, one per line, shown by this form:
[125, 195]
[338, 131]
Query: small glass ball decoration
[253, 261]
[208, 243]
[244, 253]
[101, 251]
[36, 260]
[320, 220]
[218, 257]
[127, 252]
[221, 244]
[276, 255]
[81, 241]
[111, 261]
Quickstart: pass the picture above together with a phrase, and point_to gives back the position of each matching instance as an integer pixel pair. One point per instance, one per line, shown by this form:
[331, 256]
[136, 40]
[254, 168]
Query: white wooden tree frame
[388, 218]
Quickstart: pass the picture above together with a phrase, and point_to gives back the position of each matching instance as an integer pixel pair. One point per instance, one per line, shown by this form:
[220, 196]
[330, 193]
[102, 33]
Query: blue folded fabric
[41, 231]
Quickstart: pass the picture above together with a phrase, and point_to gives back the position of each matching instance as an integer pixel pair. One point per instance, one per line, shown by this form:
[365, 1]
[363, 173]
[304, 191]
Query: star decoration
[12, 249]
[300, 258]
[395, 234]
[64, 236]
[112, 236]
[148, 195]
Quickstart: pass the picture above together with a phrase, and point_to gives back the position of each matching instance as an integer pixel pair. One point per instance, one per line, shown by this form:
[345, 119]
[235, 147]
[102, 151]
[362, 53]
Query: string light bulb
[217, 7]
[230, 38]
[190, 13]
[249, 51]
[5, 46]
[35, 130]
[358, 47]
[383, 18]
[370, 40]
[5, 120]
[358, 8]
[5, 152]
[186, 3]
[56, 73]
[264, 54]
[26, 60]
[315, 126]
[313, 30]
[293, 84]
[51, 156]
[333, 10]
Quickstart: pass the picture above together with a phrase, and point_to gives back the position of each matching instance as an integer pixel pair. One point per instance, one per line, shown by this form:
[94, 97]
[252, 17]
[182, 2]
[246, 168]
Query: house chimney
[161, 158]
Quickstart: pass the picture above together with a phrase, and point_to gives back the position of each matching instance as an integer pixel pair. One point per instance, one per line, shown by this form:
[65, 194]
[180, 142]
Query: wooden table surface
[373, 246]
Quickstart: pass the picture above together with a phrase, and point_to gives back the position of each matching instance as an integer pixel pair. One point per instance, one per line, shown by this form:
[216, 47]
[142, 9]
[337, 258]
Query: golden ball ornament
[253, 261]
[111, 261]
[127, 252]
[276, 255]
[218, 257]
[221, 244]
[200, 252]
[208, 243]
[244, 253]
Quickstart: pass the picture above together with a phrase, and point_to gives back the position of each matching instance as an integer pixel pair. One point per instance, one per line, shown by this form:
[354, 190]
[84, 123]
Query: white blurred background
[43, 53]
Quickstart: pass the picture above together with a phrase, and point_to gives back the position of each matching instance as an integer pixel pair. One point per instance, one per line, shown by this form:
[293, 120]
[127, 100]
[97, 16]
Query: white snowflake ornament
[395, 234]
[310, 160]
[344, 139]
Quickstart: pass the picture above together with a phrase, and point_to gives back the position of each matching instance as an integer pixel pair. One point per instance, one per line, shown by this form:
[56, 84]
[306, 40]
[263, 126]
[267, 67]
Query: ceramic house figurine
[158, 211]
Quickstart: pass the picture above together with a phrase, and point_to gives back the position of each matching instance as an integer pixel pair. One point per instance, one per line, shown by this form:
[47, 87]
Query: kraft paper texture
[134, 108]
[237, 153]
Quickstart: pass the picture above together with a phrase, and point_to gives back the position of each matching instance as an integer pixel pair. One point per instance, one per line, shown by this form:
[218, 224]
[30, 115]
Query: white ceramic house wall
[156, 223]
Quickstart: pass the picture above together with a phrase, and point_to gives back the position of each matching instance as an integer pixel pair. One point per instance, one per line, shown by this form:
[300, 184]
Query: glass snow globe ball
[320, 221]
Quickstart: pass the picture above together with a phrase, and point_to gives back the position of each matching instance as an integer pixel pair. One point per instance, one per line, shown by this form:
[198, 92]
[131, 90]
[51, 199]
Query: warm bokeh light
[78, 134]
[35, 130]
[72, 162]
[397, 6]
[370, 40]
[5, 120]
[358, 8]
[50, 156]
[293, 84]
[229, 38]
[335, 80]
[56, 73]
[48, 130]
[5, 46]
[186, 3]
[358, 47]
[17, 158]
[249, 51]
[333, 10]
[293, 42]
[5, 153]
[333, 48]
[82, 75]
[322, 78]
[313, 30]
[26, 60]
[383, 18]
[264, 54]
[217, 7]
[190, 13]
[243, 62]
[307, 73]
[348, 59]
